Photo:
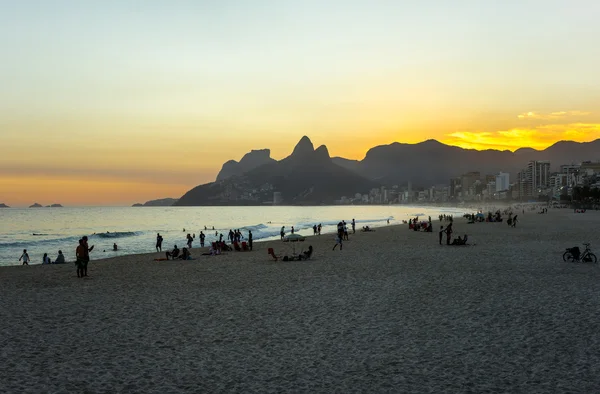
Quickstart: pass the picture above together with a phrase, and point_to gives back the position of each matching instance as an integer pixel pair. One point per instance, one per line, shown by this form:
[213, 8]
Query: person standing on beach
[441, 233]
[250, 239]
[159, 240]
[24, 257]
[86, 254]
[315, 229]
[292, 230]
[282, 232]
[449, 234]
[353, 226]
[79, 261]
[202, 236]
[319, 229]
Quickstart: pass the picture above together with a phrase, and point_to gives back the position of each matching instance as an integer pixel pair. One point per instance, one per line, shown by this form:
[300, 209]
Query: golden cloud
[539, 137]
[551, 115]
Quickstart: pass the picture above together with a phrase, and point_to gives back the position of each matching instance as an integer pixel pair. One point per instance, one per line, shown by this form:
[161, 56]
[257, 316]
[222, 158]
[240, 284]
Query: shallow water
[134, 229]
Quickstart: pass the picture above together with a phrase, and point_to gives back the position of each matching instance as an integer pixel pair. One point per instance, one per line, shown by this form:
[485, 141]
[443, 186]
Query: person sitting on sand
[46, 259]
[306, 254]
[173, 254]
[185, 254]
[457, 241]
[60, 259]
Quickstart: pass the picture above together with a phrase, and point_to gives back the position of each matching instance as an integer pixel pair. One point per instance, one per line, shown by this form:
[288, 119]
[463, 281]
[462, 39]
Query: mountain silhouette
[311, 176]
[307, 176]
[250, 161]
[431, 162]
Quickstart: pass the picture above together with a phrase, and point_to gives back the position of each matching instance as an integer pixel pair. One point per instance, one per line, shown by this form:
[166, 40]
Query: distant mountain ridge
[311, 176]
[162, 202]
[431, 162]
[2, 205]
[306, 176]
[250, 161]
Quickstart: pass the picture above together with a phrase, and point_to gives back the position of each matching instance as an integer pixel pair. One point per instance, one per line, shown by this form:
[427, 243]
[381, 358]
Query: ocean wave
[28, 244]
[116, 234]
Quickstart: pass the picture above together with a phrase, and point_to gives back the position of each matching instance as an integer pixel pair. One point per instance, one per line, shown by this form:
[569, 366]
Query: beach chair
[271, 253]
[245, 246]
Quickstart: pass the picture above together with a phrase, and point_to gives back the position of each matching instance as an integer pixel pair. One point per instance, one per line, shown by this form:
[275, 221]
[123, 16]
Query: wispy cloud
[551, 115]
[539, 137]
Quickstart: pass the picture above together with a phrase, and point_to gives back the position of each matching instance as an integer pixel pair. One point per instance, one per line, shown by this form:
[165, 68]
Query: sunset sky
[116, 102]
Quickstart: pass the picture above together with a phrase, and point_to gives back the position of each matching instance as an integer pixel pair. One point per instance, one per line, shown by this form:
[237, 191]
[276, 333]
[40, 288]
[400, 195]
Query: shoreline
[392, 311]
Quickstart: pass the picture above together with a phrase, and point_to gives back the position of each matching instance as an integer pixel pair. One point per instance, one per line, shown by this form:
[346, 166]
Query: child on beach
[25, 257]
[338, 241]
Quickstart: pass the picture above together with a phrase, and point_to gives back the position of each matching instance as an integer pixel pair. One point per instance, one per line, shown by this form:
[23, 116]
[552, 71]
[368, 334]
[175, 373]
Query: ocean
[134, 229]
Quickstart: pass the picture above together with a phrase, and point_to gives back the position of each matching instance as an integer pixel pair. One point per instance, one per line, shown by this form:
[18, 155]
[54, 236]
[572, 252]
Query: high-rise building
[535, 179]
[502, 181]
[468, 180]
[277, 198]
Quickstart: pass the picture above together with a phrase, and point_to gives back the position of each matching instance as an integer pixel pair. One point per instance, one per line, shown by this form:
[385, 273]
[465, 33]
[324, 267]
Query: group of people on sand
[414, 224]
[448, 232]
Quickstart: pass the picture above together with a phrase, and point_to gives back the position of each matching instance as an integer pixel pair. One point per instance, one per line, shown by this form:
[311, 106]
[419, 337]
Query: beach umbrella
[480, 215]
[293, 238]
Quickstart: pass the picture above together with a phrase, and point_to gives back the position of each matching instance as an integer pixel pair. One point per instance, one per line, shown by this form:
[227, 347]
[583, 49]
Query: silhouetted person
[159, 240]
[60, 259]
[441, 233]
[115, 247]
[353, 226]
[86, 254]
[173, 254]
[250, 239]
[448, 233]
[24, 257]
[202, 236]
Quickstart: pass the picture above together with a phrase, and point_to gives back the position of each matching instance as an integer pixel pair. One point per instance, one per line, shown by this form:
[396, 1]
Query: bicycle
[574, 255]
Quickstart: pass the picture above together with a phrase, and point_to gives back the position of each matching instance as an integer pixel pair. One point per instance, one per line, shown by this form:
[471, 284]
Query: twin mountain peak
[311, 176]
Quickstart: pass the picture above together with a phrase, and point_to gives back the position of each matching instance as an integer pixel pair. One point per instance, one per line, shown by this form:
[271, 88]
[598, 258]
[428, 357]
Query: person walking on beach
[441, 233]
[319, 229]
[338, 241]
[353, 226]
[159, 240]
[514, 222]
[24, 257]
[292, 230]
[250, 239]
[202, 236]
[282, 232]
[315, 229]
[189, 241]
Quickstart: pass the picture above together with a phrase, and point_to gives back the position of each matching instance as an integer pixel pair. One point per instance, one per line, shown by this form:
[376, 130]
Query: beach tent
[480, 215]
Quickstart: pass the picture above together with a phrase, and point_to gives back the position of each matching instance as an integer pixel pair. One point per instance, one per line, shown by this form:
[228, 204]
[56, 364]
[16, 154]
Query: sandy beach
[392, 312]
